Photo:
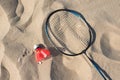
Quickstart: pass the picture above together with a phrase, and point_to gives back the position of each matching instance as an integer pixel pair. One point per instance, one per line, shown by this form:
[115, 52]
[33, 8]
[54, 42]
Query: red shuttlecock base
[41, 54]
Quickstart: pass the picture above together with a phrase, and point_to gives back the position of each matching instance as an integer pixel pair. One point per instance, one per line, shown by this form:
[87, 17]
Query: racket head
[68, 32]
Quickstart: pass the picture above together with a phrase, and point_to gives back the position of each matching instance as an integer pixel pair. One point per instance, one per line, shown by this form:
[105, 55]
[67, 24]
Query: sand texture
[22, 24]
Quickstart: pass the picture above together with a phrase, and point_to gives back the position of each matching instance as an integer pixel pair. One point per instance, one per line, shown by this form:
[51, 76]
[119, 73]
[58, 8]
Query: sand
[21, 26]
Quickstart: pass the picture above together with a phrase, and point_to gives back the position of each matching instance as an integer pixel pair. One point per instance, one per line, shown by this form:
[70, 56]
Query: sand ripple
[110, 44]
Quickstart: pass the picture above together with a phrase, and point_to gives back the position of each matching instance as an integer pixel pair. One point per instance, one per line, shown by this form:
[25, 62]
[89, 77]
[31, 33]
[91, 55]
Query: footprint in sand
[25, 10]
[4, 28]
[110, 45]
[4, 24]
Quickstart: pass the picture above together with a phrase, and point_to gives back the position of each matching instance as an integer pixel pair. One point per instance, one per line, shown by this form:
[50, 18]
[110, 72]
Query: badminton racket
[69, 33]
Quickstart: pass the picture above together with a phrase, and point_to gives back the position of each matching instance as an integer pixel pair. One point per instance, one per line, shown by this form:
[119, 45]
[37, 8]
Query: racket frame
[47, 28]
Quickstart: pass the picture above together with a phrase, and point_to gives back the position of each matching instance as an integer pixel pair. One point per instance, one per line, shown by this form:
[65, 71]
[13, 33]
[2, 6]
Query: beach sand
[21, 26]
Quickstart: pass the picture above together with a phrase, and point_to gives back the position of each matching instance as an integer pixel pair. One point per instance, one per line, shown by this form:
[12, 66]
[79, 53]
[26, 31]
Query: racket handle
[95, 66]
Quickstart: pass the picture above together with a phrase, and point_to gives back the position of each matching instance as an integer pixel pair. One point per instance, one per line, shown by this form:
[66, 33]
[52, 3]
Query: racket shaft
[90, 62]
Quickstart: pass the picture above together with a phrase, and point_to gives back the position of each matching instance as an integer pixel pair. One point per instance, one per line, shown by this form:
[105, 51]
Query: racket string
[64, 22]
[53, 21]
[58, 16]
[57, 42]
[69, 21]
[78, 29]
[77, 36]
